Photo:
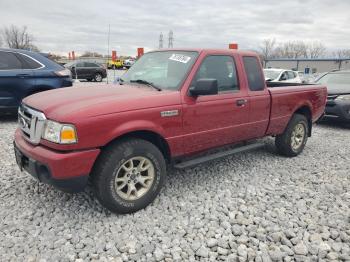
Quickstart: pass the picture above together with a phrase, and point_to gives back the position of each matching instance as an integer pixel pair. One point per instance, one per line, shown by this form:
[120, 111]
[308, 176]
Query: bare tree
[267, 48]
[292, 49]
[342, 53]
[54, 57]
[18, 37]
[316, 49]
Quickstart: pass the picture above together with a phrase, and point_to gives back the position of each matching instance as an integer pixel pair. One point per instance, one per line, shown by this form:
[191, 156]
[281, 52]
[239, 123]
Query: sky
[62, 26]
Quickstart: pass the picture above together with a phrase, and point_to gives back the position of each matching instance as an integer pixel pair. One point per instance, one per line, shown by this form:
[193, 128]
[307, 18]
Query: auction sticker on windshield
[180, 58]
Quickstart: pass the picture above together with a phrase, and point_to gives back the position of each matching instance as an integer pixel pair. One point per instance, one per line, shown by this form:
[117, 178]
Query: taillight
[63, 72]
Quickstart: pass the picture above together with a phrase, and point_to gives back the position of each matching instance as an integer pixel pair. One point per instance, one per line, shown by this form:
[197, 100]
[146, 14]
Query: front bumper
[338, 109]
[67, 171]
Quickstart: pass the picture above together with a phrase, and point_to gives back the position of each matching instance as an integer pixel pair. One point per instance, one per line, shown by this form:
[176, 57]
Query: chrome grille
[31, 123]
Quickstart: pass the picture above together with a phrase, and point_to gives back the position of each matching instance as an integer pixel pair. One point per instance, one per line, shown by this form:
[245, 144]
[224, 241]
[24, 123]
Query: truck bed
[281, 84]
[287, 99]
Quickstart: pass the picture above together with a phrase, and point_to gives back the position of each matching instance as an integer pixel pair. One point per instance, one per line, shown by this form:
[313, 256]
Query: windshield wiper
[145, 82]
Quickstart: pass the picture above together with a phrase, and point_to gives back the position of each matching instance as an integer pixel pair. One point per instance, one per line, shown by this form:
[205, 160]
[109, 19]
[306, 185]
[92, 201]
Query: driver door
[215, 120]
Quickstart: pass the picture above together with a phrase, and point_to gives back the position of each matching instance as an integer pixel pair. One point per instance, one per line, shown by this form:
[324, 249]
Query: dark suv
[87, 70]
[338, 100]
[23, 73]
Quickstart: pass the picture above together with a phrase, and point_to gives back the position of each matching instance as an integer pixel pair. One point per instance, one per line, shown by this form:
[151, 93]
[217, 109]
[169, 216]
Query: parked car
[123, 138]
[23, 73]
[87, 70]
[338, 100]
[128, 63]
[281, 75]
[117, 64]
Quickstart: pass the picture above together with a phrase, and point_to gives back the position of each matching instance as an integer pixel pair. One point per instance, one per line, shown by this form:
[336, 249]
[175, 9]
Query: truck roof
[208, 50]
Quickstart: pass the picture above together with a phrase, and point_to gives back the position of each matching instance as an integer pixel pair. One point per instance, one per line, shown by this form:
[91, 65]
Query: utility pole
[171, 39]
[161, 40]
[109, 35]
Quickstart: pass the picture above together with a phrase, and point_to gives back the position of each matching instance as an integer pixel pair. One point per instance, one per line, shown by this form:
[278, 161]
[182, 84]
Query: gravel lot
[250, 207]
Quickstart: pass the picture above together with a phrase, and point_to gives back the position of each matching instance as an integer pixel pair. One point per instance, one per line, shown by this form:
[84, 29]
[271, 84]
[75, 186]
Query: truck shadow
[8, 118]
[334, 123]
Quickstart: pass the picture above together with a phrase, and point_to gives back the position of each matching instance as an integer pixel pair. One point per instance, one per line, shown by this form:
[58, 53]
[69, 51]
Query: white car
[128, 63]
[281, 75]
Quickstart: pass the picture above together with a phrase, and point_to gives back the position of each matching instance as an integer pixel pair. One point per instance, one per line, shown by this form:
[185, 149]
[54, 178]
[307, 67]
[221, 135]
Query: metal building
[309, 66]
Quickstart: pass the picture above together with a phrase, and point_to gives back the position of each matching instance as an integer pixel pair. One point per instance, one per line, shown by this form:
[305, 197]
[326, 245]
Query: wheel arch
[305, 110]
[148, 135]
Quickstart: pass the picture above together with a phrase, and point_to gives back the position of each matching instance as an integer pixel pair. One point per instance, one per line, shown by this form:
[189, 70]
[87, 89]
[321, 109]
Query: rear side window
[291, 75]
[253, 70]
[29, 63]
[222, 68]
[88, 64]
[9, 61]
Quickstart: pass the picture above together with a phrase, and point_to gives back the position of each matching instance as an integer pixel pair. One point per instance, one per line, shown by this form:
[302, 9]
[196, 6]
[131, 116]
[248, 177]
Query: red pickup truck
[170, 106]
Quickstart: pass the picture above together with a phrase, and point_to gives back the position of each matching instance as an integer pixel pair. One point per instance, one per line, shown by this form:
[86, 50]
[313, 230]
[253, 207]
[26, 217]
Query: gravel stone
[287, 250]
[276, 254]
[316, 238]
[212, 242]
[242, 251]
[236, 230]
[222, 251]
[300, 249]
[255, 206]
[202, 252]
[323, 249]
[332, 255]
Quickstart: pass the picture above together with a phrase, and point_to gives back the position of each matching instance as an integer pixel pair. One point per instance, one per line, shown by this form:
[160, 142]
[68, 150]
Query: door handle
[23, 75]
[241, 102]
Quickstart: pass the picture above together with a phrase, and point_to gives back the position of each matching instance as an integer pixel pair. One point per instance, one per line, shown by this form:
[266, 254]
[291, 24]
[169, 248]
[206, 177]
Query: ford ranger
[170, 106]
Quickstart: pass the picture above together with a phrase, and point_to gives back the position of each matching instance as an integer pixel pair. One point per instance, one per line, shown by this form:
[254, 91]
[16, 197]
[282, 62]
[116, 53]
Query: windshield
[69, 64]
[335, 79]
[271, 74]
[163, 69]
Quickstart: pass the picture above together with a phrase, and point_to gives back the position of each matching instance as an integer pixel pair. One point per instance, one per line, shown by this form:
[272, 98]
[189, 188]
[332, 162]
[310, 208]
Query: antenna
[161, 40]
[171, 39]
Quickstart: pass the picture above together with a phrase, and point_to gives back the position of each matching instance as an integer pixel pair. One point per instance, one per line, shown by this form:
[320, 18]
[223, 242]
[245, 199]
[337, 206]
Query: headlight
[59, 133]
[343, 97]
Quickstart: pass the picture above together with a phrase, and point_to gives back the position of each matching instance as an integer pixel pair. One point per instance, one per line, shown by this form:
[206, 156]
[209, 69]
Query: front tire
[98, 77]
[292, 142]
[129, 175]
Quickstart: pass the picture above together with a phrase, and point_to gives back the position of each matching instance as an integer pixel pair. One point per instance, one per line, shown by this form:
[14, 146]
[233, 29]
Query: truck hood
[65, 104]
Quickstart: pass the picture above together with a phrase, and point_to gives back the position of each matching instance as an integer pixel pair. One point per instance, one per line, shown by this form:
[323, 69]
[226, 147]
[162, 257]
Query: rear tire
[133, 165]
[292, 142]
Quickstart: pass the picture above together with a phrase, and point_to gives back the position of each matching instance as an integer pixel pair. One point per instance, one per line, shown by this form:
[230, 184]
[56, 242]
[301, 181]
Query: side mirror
[204, 86]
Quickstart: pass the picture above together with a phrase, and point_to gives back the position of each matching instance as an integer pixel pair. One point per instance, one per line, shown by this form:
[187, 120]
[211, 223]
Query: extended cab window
[9, 61]
[253, 70]
[222, 68]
